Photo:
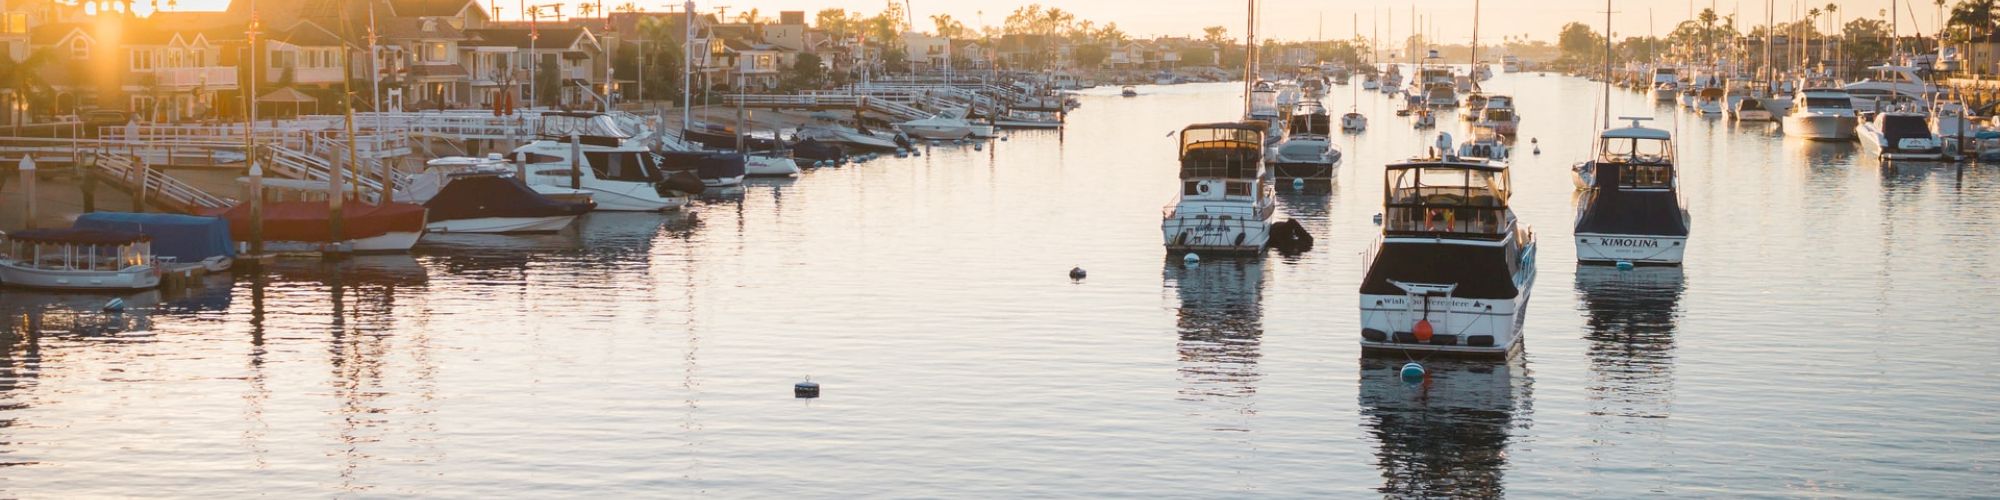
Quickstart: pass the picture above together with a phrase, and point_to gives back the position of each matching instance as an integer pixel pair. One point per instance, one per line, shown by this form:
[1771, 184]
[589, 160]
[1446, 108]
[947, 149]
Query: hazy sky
[1305, 19]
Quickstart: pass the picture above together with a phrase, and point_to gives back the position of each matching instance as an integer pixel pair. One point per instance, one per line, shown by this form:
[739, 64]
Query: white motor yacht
[949, 125]
[1949, 123]
[1821, 114]
[1709, 101]
[1751, 109]
[1666, 85]
[1894, 134]
[1451, 273]
[620, 176]
[1891, 84]
[1499, 116]
[1227, 198]
[1632, 211]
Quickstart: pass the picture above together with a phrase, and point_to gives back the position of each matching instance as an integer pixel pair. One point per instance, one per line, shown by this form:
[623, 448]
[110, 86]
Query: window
[1237, 189]
[437, 52]
[1635, 150]
[1192, 188]
[142, 60]
[79, 49]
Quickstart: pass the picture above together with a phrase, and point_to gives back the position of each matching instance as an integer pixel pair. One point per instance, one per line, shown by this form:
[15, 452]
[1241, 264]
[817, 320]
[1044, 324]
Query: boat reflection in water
[1446, 434]
[1221, 323]
[1629, 319]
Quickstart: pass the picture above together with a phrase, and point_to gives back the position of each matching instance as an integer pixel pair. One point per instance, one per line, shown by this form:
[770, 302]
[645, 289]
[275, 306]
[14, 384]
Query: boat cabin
[1311, 123]
[569, 123]
[1446, 197]
[1230, 152]
[1637, 157]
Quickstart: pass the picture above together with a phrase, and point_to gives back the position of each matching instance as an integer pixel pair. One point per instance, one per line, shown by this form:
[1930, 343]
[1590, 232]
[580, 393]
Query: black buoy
[806, 390]
[1076, 273]
[115, 305]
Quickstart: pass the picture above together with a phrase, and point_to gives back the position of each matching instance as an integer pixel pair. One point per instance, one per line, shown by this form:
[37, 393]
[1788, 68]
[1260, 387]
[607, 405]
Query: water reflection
[1221, 327]
[1445, 435]
[1629, 320]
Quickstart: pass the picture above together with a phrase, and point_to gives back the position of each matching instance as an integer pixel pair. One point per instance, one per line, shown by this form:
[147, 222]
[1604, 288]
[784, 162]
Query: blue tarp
[186, 238]
[1986, 134]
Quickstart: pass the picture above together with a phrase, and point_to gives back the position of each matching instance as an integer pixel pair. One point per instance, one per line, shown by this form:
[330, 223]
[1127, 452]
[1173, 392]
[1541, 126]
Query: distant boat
[78, 259]
[1128, 91]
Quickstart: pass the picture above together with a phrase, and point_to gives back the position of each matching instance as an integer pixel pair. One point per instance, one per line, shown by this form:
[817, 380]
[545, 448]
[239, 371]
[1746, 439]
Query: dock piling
[28, 188]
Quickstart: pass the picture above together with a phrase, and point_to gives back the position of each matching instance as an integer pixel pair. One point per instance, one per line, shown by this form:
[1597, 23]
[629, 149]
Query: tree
[1215, 35]
[22, 79]
[949, 28]
[1091, 55]
[1974, 19]
[1580, 44]
[662, 55]
[1197, 56]
[805, 73]
[1866, 39]
[548, 83]
[837, 22]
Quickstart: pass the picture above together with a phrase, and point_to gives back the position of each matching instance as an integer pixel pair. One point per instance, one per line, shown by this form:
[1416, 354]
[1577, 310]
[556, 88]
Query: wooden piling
[256, 199]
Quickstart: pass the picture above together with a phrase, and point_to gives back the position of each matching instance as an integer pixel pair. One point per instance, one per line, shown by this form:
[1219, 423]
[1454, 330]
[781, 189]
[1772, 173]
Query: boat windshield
[1232, 152]
[1445, 199]
[1829, 103]
[628, 166]
[1636, 151]
[1905, 126]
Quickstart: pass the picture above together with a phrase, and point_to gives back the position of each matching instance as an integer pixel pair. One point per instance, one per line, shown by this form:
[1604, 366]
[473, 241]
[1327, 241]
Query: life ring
[1201, 188]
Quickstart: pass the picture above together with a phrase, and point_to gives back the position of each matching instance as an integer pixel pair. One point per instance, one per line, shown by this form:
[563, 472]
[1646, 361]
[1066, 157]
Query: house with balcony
[307, 58]
[926, 52]
[528, 59]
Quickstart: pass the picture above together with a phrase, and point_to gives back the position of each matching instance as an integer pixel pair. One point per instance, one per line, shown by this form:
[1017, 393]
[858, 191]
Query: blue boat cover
[186, 238]
[1987, 134]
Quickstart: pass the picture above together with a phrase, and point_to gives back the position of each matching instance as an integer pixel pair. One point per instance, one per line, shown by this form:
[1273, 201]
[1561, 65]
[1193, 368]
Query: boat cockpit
[1447, 197]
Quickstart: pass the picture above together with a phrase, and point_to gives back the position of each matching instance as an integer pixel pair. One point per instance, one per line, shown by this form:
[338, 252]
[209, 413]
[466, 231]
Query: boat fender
[1239, 238]
[1298, 184]
[978, 146]
[1422, 331]
[1076, 273]
[1624, 265]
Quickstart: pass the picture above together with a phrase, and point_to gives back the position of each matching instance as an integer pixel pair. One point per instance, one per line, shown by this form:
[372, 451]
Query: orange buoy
[1423, 330]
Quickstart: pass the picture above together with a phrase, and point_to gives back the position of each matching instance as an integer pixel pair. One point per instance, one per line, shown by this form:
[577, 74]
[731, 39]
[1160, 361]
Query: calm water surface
[1830, 336]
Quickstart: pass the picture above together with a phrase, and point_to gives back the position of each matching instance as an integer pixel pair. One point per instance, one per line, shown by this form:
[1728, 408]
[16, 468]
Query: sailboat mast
[1249, 55]
[1607, 63]
[1475, 33]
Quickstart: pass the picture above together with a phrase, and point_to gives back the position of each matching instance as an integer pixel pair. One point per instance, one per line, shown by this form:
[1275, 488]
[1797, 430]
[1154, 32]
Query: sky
[1450, 20]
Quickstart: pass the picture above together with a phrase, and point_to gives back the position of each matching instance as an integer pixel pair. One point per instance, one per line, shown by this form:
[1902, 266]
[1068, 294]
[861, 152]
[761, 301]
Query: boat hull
[1637, 249]
[769, 166]
[390, 242]
[1184, 233]
[635, 198]
[1310, 171]
[503, 225]
[1820, 127]
[1466, 328]
[936, 132]
[132, 278]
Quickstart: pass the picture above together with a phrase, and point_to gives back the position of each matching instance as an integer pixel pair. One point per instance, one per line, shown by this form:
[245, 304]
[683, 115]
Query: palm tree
[22, 79]
[1975, 18]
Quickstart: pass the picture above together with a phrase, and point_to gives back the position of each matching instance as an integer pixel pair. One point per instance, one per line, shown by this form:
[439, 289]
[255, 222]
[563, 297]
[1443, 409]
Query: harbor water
[1830, 335]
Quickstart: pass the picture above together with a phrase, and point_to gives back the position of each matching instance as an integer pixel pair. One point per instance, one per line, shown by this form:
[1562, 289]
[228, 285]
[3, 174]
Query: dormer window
[79, 49]
[430, 25]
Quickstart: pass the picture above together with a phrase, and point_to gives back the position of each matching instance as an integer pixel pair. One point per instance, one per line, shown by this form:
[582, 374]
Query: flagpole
[374, 58]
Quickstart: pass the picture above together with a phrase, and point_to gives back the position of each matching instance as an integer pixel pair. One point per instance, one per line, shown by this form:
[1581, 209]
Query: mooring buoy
[115, 305]
[1191, 259]
[1412, 371]
[806, 390]
[1076, 273]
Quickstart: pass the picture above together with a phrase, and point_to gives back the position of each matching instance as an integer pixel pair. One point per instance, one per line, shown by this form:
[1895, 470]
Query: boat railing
[1226, 215]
